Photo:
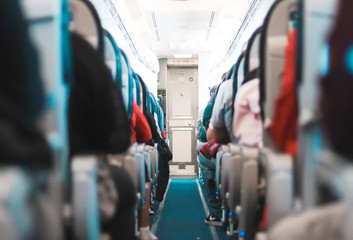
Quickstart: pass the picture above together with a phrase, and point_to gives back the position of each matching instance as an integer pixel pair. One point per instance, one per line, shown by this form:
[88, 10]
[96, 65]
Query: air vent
[210, 25]
[155, 26]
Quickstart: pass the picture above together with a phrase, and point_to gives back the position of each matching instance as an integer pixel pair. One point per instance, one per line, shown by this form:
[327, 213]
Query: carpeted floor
[181, 216]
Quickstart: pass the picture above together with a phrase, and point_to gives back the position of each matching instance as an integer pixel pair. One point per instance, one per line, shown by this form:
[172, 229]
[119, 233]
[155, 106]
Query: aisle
[182, 215]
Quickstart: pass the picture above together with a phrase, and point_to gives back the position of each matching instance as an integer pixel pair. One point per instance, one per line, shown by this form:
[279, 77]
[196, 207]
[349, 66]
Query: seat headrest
[252, 54]
[86, 23]
[111, 55]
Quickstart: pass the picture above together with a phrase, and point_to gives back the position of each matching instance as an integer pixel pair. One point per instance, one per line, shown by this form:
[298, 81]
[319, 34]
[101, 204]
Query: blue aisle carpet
[182, 216]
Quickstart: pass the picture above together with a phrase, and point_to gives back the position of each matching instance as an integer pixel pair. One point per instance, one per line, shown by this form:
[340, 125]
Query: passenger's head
[213, 90]
[224, 76]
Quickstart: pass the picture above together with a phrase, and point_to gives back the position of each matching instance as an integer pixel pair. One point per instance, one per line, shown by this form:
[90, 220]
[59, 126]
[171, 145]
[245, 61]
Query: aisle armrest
[279, 184]
[249, 193]
[235, 169]
[85, 197]
[15, 219]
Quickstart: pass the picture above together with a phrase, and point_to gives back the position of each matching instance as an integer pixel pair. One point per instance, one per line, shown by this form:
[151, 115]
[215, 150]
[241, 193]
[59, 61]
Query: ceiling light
[187, 55]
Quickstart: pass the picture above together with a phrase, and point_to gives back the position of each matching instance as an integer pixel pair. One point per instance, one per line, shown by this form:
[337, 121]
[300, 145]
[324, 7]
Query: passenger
[21, 94]
[247, 123]
[221, 121]
[164, 152]
[199, 127]
[208, 168]
[98, 124]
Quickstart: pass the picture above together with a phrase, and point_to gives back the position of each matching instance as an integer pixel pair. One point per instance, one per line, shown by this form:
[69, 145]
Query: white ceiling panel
[185, 19]
[183, 35]
[178, 26]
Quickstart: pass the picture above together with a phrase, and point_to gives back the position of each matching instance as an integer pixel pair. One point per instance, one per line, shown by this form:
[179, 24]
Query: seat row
[288, 181]
[86, 121]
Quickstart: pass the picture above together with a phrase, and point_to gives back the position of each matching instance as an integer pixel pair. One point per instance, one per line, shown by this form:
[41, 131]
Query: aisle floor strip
[213, 228]
[159, 211]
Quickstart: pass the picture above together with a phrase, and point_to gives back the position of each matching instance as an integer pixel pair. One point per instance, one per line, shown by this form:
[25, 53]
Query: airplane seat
[154, 162]
[237, 75]
[86, 23]
[126, 82]
[92, 136]
[111, 56]
[221, 183]
[234, 161]
[319, 223]
[141, 158]
[228, 165]
[249, 193]
[222, 171]
[278, 166]
[14, 205]
[243, 180]
[27, 212]
[148, 161]
[85, 197]
[313, 32]
[45, 24]
[318, 164]
[137, 89]
[123, 69]
[321, 166]
[84, 168]
[330, 220]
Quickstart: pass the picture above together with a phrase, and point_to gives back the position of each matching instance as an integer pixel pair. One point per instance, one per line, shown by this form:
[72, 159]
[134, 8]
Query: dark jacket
[98, 122]
[21, 93]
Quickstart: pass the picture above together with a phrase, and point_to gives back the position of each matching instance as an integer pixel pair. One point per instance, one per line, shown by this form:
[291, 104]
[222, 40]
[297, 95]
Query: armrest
[85, 197]
[279, 184]
[248, 198]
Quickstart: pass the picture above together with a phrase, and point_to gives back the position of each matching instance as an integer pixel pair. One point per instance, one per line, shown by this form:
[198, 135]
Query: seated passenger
[199, 127]
[164, 153]
[247, 123]
[208, 169]
[221, 121]
[21, 94]
[98, 124]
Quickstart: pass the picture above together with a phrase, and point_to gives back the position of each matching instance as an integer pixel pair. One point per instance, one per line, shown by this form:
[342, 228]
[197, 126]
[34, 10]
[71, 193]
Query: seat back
[252, 53]
[126, 82]
[137, 90]
[272, 54]
[325, 223]
[112, 56]
[313, 32]
[48, 29]
[85, 198]
[240, 73]
[249, 193]
[86, 23]
[139, 157]
[278, 169]
[16, 222]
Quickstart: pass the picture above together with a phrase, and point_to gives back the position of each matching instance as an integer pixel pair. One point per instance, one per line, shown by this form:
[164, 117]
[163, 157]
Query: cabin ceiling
[184, 26]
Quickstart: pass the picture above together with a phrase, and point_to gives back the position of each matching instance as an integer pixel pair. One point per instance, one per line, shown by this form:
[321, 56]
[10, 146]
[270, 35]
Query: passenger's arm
[221, 135]
[210, 135]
